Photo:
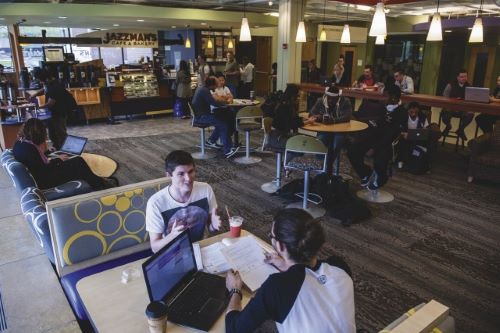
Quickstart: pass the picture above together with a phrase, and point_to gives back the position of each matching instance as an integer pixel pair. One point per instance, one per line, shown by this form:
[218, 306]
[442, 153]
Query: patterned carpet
[438, 239]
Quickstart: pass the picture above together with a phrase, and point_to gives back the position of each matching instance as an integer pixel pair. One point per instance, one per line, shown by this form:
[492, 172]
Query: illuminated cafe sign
[130, 39]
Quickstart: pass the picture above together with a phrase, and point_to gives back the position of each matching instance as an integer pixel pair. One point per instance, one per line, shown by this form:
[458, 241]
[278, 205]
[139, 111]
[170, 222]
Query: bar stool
[275, 184]
[452, 134]
[202, 154]
[307, 154]
[248, 119]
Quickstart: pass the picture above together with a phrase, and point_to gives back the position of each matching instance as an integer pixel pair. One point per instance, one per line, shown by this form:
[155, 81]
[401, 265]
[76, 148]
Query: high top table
[113, 306]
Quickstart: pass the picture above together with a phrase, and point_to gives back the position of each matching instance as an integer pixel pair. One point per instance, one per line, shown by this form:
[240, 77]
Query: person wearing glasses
[307, 295]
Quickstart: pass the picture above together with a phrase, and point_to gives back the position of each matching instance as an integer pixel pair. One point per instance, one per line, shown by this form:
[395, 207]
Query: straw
[227, 212]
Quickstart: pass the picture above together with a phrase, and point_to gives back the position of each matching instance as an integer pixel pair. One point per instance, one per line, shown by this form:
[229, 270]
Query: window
[31, 31]
[33, 53]
[132, 55]
[5, 51]
[83, 53]
[111, 56]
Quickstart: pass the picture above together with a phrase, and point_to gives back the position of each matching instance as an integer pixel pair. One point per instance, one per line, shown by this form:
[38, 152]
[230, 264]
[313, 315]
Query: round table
[239, 103]
[102, 166]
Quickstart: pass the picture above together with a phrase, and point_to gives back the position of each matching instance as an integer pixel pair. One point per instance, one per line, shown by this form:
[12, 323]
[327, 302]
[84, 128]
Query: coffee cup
[252, 95]
[235, 223]
[157, 317]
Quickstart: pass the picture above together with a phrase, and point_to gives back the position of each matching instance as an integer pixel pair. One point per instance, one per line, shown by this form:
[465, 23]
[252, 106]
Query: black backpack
[419, 161]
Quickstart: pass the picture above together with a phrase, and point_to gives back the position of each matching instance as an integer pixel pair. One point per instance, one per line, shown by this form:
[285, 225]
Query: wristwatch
[235, 291]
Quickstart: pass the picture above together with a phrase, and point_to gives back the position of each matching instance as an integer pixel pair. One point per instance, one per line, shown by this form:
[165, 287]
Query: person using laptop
[456, 89]
[486, 121]
[308, 295]
[185, 203]
[31, 150]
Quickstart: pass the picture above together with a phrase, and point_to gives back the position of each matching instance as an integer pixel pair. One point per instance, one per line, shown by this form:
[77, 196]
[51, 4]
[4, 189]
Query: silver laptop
[72, 147]
[477, 94]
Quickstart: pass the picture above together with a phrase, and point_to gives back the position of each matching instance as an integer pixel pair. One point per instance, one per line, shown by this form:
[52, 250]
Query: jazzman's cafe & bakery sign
[130, 39]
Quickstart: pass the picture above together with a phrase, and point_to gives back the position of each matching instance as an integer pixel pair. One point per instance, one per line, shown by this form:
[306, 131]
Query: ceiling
[316, 11]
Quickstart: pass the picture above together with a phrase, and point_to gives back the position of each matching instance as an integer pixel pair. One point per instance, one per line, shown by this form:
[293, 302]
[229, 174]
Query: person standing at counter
[232, 73]
[486, 121]
[247, 71]
[456, 89]
[203, 70]
[184, 91]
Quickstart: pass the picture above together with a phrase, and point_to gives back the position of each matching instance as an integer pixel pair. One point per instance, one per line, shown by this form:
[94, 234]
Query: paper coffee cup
[235, 223]
[157, 317]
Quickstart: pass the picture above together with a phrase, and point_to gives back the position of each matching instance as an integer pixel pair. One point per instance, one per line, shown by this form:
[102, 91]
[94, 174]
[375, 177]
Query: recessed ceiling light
[203, 23]
[273, 14]
[364, 8]
[256, 26]
[116, 25]
[447, 31]
[173, 27]
[47, 22]
[140, 20]
[62, 17]
[470, 28]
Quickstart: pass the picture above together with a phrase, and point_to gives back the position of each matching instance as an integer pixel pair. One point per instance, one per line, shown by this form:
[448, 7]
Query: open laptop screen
[169, 267]
[74, 144]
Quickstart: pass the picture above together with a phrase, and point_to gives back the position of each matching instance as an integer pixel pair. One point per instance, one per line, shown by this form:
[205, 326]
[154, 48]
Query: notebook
[72, 147]
[419, 134]
[195, 299]
[477, 94]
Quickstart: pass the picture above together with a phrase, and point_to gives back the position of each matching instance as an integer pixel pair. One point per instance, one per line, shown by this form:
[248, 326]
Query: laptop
[72, 147]
[195, 299]
[477, 94]
[419, 134]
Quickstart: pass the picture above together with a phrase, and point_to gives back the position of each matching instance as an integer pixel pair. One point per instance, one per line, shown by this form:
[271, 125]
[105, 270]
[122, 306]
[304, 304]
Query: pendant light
[322, 35]
[210, 44]
[188, 40]
[301, 29]
[245, 35]
[476, 35]
[380, 40]
[435, 30]
[230, 44]
[378, 27]
[346, 34]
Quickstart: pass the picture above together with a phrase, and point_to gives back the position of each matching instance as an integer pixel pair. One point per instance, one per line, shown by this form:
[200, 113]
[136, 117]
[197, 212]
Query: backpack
[419, 161]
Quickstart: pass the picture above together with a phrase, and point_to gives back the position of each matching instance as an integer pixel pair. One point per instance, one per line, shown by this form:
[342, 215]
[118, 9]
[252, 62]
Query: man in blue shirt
[201, 103]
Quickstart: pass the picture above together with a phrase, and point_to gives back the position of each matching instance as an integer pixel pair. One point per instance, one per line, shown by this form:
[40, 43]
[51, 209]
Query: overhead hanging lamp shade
[476, 35]
[322, 35]
[210, 44]
[301, 33]
[245, 35]
[380, 40]
[435, 31]
[378, 27]
[346, 35]
[230, 44]
[188, 42]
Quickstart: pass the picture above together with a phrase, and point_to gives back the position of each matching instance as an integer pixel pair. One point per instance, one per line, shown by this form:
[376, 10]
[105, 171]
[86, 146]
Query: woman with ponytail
[307, 295]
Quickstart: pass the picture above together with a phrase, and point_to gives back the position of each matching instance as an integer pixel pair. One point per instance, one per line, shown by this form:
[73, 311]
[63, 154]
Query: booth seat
[22, 179]
[97, 231]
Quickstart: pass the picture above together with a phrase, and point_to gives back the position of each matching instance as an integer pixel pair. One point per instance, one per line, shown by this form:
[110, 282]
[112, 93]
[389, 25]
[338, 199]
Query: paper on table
[213, 260]
[247, 257]
[197, 256]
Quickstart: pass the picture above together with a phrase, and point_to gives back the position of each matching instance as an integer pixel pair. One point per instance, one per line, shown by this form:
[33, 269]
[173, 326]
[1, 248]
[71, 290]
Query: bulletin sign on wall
[130, 39]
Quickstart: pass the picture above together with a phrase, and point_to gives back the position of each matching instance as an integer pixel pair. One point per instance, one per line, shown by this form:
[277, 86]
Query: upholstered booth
[98, 231]
[485, 156]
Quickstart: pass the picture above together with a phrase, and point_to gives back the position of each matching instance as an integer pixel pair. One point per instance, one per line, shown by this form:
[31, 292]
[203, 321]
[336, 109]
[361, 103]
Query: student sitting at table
[333, 108]
[382, 133]
[308, 295]
[31, 150]
[184, 203]
[224, 113]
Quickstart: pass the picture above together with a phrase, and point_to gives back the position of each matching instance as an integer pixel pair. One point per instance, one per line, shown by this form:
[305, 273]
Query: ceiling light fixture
[245, 35]
[62, 17]
[346, 34]
[187, 44]
[230, 44]
[435, 30]
[378, 27]
[210, 44]
[380, 40]
[322, 35]
[301, 29]
[140, 20]
[270, 3]
[116, 25]
[476, 35]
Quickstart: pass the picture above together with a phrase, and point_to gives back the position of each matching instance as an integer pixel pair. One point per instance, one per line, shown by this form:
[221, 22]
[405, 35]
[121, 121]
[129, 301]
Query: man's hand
[310, 120]
[275, 260]
[215, 221]
[233, 280]
[177, 228]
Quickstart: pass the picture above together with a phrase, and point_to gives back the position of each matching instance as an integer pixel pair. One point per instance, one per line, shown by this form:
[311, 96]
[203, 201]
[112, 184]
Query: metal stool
[275, 184]
[452, 134]
[202, 154]
[248, 119]
[307, 154]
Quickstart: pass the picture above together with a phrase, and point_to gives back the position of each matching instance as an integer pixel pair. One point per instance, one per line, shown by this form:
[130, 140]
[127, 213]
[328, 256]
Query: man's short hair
[393, 90]
[210, 81]
[369, 67]
[219, 74]
[413, 105]
[176, 158]
[463, 70]
[399, 70]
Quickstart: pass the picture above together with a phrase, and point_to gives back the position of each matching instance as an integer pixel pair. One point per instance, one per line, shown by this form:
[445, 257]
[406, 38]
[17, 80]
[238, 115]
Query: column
[289, 53]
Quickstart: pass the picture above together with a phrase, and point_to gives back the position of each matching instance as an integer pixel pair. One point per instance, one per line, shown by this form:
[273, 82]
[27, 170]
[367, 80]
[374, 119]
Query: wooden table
[116, 307]
[454, 104]
[237, 102]
[102, 166]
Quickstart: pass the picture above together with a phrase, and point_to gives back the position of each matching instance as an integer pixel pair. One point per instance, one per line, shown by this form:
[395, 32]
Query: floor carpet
[438, 239]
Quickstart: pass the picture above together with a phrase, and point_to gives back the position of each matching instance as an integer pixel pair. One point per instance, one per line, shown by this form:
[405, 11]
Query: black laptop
[194, 298]
[73, 146]
[419, 134]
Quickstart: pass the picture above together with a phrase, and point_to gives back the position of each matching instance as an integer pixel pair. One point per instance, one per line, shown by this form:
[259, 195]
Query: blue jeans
[221, 130]
[334, 144]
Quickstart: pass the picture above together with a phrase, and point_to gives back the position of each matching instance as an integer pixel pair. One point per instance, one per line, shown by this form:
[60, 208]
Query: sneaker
[231, 152]
[110, 182]
[373, 185]
[365, 181]
[211, 144]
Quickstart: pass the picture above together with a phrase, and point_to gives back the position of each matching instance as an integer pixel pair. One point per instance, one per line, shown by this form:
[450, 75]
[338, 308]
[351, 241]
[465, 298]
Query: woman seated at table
[308, 295]
[31, 150]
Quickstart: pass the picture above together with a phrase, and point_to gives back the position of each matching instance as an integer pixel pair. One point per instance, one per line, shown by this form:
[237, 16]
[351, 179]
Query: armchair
[485, 156]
